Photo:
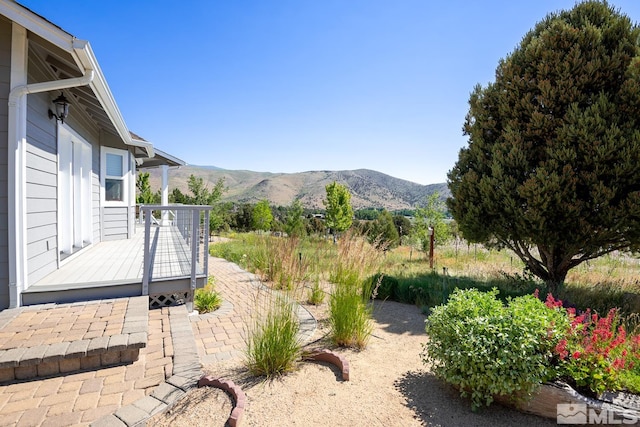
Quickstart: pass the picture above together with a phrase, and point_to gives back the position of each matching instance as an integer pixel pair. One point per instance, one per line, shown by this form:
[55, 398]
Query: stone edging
[186, 373]
[230, 388]
[334, 358]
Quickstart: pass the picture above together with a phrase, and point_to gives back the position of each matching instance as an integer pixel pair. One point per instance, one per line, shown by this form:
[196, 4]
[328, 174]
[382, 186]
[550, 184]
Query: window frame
[125, 178]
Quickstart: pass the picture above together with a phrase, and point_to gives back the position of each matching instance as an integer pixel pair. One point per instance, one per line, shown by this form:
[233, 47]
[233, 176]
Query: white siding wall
[42, 181]
[41, 191]
[115, 222]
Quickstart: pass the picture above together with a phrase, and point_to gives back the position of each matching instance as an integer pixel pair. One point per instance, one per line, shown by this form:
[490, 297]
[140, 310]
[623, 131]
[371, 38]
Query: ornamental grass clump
[350, 316]
[488, 349]
[272, 339]
[349, 303]
[207, 299]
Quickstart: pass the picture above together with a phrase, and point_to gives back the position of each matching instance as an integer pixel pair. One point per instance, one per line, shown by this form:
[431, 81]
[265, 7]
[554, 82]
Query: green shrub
[487, 349]
[272, 339]
[207, 299]
[630, 378]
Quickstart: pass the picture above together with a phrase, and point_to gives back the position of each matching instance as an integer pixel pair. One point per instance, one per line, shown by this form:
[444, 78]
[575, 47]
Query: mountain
[369, 189]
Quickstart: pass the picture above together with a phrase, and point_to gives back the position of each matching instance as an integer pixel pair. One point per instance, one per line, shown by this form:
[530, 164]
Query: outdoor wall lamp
[62, 108]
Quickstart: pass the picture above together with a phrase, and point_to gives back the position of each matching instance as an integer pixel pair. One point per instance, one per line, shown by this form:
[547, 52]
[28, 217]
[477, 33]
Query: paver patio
[167, 367]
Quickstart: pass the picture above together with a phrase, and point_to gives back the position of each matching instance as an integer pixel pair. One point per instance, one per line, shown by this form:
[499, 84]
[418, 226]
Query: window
[115, 175]
[114, 180]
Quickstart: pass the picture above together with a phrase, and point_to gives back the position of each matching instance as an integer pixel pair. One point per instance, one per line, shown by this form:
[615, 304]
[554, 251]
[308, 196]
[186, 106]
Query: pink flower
[576, 355]
[561, 348]
[551, 302]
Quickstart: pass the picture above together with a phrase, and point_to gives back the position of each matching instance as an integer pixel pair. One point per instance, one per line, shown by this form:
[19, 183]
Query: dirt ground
[389, 386]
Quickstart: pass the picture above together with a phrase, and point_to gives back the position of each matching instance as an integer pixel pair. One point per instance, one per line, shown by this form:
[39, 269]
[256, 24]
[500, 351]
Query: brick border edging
[331, 357]
[236, 393]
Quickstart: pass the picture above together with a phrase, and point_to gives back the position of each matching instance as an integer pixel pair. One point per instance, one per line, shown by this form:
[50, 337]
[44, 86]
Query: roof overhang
[160, 159]
[85, 60]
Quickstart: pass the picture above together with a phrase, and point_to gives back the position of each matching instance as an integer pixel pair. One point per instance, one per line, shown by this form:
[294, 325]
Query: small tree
[145, 195]
[177, 196]
[339, 216]
[551, 171]
[201, 193]
[431, 215]
[294, 220]
[403, 225]
[261, 216]
[383, 232]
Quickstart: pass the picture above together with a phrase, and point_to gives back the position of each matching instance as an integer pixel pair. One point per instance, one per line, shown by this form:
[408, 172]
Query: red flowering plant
[594, 349]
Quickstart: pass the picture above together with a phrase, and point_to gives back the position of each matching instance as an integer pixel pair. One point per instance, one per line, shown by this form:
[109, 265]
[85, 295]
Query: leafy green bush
[630, 378]
[272, 339]
[487, 349]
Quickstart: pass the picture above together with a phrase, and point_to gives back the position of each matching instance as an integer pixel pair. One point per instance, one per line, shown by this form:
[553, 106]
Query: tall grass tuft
[284, 264]
[316, 293]
[272, 339]
[349, 307]
[350, 316]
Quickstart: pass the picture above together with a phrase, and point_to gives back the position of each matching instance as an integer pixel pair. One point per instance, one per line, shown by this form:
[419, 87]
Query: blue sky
[292, 86]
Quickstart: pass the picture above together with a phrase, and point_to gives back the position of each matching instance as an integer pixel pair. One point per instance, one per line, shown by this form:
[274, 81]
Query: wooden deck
[121, 262]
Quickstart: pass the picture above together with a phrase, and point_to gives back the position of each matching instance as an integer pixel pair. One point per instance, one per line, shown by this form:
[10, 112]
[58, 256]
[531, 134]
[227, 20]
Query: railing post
[147, 254]
[205, 261]
[195, 228]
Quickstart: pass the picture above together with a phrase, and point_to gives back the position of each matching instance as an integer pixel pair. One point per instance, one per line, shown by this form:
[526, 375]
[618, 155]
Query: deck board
[121, 261]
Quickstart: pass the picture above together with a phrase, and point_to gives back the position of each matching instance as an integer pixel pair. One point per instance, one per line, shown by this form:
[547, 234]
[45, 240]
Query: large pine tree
[552, 169]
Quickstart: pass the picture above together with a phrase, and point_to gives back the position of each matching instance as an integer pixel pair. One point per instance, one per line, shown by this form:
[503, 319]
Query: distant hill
[369, 189]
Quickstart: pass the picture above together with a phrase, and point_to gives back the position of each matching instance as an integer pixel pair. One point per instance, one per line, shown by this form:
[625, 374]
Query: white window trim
[126, 176]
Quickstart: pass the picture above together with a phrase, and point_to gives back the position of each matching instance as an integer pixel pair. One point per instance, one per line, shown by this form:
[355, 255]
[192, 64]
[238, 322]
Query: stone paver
[221, 335]
[166, 370]
[83, 397]
[51, 324]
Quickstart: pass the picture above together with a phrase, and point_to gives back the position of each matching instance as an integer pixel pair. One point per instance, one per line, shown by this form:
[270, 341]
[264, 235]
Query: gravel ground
[389, 386]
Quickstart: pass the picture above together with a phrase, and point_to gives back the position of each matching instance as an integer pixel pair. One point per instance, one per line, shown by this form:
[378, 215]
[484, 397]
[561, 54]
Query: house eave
[161, 159]
[83, 56]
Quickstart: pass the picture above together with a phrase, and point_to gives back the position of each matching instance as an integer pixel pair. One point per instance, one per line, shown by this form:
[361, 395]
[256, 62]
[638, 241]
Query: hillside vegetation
[368, 188]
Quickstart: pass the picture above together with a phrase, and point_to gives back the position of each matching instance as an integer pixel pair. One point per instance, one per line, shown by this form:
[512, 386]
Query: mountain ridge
[369, 188]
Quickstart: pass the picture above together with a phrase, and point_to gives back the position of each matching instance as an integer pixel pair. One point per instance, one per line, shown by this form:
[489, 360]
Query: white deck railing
[186, 231]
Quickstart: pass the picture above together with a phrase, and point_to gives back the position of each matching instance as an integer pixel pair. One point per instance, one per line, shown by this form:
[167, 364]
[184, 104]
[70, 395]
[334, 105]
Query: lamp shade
[62, 107]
